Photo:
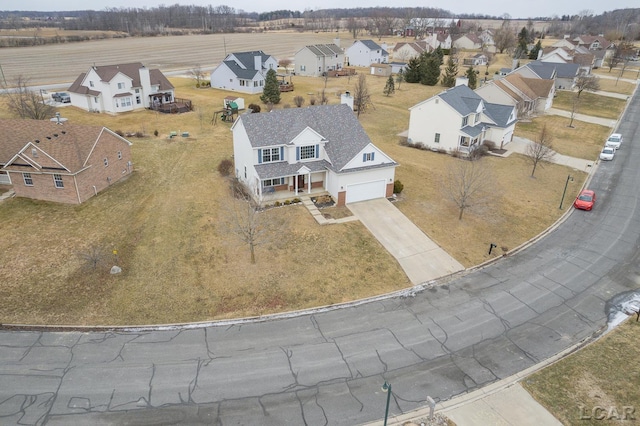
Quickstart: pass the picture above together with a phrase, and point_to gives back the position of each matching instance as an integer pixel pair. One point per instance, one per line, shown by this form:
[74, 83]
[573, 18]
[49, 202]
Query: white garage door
[365, 191]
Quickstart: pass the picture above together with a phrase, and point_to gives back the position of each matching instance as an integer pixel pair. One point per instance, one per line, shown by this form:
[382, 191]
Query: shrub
[298, 101]
[397, 187]
[312, 101]
[403, 141]
[277, 204]
[119, 133]
[225, 167]
[139, 135]
[491, 145]
[481, 151]
[287, 202]
[155, 133]
[254, 107]
[296, 200]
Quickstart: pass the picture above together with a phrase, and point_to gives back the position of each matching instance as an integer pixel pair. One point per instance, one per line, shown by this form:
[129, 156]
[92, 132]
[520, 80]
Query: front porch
[270, 196]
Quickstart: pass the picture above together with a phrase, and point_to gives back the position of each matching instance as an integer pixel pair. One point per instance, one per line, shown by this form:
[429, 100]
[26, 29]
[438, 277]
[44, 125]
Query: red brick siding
[389, 190]
[342, 198]
[44, 188]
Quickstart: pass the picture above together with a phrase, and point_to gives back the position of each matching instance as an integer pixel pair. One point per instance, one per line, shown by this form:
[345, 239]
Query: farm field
[167, 221]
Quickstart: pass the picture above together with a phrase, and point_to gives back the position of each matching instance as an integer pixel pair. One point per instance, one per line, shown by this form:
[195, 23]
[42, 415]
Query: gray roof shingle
[462, 99]
[337, 124]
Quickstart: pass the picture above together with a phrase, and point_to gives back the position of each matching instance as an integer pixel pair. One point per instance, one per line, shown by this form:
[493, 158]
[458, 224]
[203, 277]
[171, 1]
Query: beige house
[405, 51]
[318, 59]
[528, 95]
[468, 41]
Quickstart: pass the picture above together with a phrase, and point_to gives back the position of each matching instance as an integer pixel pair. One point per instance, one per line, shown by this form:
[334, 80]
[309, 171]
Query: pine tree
[390, 87]
[472, 78]
[534, 51]
[450, 73]
[440, 54]
[413, 72]
[431, 73]
[271, 91]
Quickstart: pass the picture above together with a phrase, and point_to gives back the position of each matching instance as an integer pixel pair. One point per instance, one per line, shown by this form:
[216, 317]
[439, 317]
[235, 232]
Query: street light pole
[569, 178]
[386, 388]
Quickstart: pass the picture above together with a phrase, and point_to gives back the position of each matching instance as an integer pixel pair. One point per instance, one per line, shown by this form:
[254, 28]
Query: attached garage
[366, 191]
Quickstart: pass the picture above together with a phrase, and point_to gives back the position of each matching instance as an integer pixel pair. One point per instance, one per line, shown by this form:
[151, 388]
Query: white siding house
[120, 88]
[243, 72]
[322, 148]
[363, 53]
[317, 59]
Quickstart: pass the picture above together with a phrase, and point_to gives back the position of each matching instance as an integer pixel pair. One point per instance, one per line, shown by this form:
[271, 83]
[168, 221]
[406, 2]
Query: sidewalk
[519, 145]
[609, 122]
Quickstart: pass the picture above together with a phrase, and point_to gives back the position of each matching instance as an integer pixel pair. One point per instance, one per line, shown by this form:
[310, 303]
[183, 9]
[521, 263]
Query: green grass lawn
[604, 374]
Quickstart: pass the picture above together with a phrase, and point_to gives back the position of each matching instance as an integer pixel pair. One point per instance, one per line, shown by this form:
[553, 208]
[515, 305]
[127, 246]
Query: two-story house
[120, 88]
[317, 59]
[297, 150]
[530, 96]
[404, 51]
[459, 120]
[60, 161]
[363, 53]
[243, 72]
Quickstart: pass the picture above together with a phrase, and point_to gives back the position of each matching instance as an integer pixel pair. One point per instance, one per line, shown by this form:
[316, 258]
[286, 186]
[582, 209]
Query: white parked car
[607, 153]
[614, 141]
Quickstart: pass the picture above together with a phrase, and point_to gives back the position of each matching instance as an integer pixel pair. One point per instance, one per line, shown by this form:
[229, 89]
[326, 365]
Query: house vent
[55, 135]
[63, 132]
[49, 137]
[37, 140]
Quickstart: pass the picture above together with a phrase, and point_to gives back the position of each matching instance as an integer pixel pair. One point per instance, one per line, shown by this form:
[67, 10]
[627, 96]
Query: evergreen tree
[472, 78]
[440, 54]
[522, 48]
[534, 51]
[390, 87]
[450, 73]
[413, 72]
[271, 91]
[431, 73]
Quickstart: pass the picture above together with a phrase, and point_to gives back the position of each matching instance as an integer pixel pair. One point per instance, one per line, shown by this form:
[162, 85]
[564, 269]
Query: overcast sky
[515, 8]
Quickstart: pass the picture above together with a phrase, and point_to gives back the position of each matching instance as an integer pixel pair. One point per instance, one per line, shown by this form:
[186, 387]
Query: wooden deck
[175, 107]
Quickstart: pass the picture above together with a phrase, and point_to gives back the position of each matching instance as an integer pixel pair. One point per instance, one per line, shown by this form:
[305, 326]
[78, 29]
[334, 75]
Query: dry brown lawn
[583, 140]
[590, 104]
[604, 374]
[181, 264]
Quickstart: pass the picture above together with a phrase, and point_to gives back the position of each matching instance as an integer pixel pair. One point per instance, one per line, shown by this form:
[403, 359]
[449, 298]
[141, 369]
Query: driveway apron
[421, 258]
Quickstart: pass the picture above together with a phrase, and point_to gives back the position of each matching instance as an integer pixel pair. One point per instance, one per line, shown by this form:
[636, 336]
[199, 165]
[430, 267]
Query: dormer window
[120, 86]
[307, 152]
[90, 83]
[465, 121]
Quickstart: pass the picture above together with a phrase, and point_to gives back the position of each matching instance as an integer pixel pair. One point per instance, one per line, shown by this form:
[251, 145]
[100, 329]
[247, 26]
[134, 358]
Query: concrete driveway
[421, 258]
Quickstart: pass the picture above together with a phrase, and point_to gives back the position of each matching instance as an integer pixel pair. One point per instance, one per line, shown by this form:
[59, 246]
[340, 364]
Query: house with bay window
[459, 120]
[243, 72]
[120, 88]
[318, 149]
[60, 161]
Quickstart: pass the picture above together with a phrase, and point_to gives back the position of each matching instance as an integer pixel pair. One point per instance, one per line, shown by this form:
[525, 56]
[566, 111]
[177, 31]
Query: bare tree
[92, 257]
[588, 82]
[27, 103]
[382, 22]
[467, 183]
[245, 219]
[504, 37]
[541, 150]
[284, 63]
[197, 73]
[361, 95]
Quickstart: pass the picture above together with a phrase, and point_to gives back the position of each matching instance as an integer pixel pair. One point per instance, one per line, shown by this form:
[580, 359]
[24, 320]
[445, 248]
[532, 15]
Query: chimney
[347, 99]
[58, 118]
[257, 62]
[145, 83]
[336, 41]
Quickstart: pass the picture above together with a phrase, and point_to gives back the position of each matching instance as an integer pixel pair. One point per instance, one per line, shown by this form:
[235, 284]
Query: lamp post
[569, 178]
[386, 388]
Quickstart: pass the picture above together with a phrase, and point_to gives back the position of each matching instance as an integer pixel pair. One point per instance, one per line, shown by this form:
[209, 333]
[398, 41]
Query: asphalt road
[327, 367]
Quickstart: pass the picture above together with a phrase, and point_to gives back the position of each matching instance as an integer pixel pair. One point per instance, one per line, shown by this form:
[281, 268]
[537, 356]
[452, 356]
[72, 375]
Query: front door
[300, 182]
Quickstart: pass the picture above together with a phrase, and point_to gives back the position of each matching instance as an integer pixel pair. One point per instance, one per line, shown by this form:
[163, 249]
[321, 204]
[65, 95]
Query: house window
[106, 162]
[437, 138]
[465, 121]
[307, 152]
[91, 83]
[242, 83]
[126, 102]
[272, 182]
[138, 100]
[368, 156]
[464, 141]
[28, 181]
[270, 154]
[119, 155]
[34, 152]
[57, 180]
[245, 172]
[120, 85]
[137, 90]
[95, 99]
[303, 68]
[477, 118]
[255, 84]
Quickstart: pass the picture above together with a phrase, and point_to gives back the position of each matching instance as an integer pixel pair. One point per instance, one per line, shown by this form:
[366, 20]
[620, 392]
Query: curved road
[327, 367]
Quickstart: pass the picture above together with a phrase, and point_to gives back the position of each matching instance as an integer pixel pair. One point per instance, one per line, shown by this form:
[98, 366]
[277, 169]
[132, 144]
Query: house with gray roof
[120, 88]
[564, 75]
[318, 59]
[291, 152]
[364, 53]
[243, 72]
[460, 120]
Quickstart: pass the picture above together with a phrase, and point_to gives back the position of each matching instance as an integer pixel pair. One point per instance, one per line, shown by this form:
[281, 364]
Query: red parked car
[585, 200]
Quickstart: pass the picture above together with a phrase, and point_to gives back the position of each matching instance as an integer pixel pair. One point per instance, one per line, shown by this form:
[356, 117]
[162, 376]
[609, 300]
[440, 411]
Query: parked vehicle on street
[607, 154]
[61, 97]
[585, 200]
[614, 141]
